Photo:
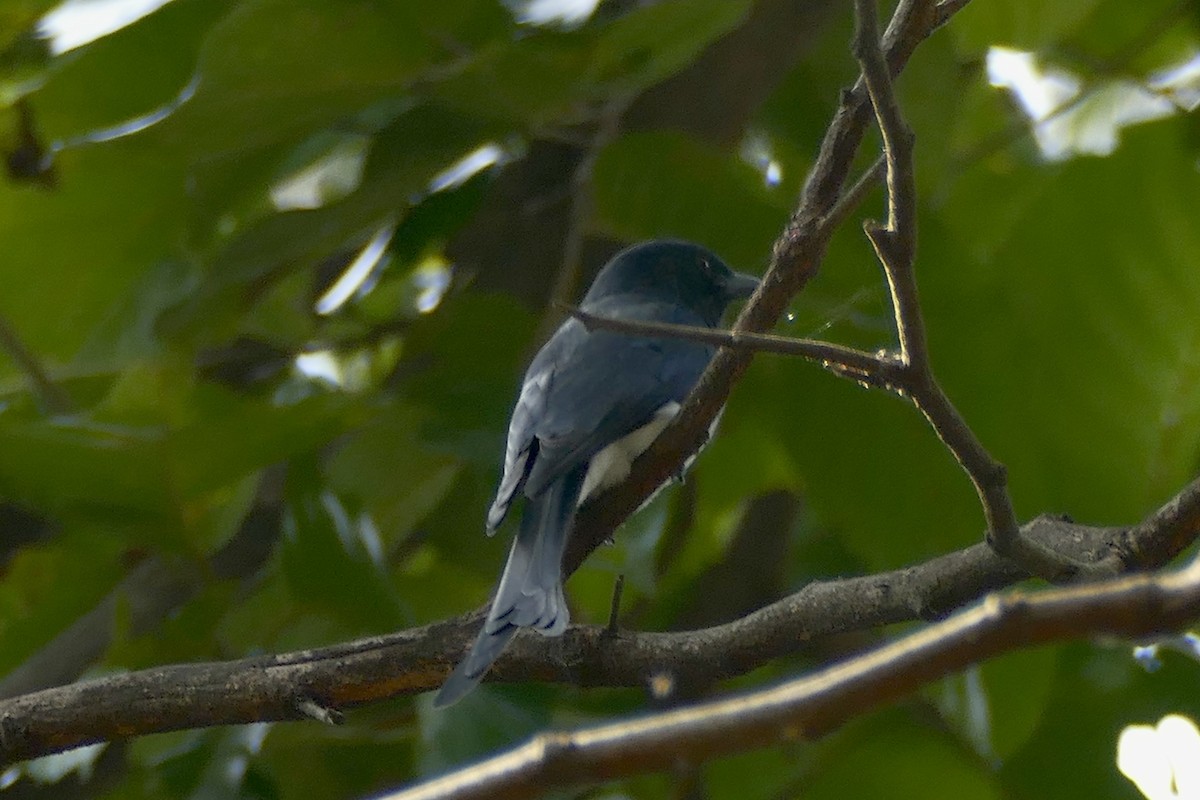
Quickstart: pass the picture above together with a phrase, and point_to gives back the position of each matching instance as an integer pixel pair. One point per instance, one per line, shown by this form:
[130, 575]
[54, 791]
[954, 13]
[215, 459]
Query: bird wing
[613, 385]
[522, 446]
[587, 389]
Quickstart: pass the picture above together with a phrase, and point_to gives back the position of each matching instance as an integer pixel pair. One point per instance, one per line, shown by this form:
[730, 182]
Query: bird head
[672, 271]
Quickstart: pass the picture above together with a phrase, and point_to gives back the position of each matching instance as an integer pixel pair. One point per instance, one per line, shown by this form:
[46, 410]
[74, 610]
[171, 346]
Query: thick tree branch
[281, 687]
[804, 708]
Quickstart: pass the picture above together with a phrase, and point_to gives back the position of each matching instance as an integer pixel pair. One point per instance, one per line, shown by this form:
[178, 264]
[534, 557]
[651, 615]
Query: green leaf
[67, 464]
[259, 81]
[328, 566]
[235, 438]
[1018, 687]
[403, 158]
[128, 73]
[360, 759]
[47, 587]
[531, 83]
[1097, 691]
[762, 773]
[656, 40]
[480, 723]
[165, 467]
[471, 413]
[24, 57]
[539, 77]
[1142, 37]
[186, 635]
[649, 185]
[105, 255]
[872, 468]
[18, 16]
[1083, 314]
[889, 755]
[998, 705]
[1025, 24]
[395, 475]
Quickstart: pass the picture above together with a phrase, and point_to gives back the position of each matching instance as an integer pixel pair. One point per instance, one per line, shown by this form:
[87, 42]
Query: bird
[591, 402]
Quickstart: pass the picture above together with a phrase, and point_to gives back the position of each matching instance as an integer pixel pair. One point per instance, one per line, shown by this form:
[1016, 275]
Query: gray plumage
[591, 401]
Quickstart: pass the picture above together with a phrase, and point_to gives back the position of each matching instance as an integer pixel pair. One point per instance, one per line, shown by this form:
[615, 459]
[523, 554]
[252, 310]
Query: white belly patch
[611, 465]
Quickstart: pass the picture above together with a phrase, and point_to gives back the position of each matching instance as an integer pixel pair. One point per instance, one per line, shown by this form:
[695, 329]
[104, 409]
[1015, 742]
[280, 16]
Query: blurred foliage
[156, 279]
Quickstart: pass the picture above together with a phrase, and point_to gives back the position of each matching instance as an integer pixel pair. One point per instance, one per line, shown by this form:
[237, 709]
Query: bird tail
[530, 594]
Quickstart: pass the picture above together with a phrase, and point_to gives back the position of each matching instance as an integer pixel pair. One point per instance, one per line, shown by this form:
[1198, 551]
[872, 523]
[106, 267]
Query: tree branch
[318, 683]
[280, 687]
[895, 245]
[411, 661]
[855, 195]
[804, 708]
[911, 374]
[567, 279]
[857, 364]
[796, 256]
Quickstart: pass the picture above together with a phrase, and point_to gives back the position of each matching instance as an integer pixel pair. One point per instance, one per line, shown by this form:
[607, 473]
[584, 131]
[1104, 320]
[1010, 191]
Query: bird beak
[740, 285]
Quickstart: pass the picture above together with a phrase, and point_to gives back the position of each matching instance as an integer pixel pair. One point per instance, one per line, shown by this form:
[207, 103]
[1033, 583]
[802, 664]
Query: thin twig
[896, 243]
[321, 713]
[50, 396]
[947, 9]
[876, 369]
[853, 197]
[614, 611]
[566, 281]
